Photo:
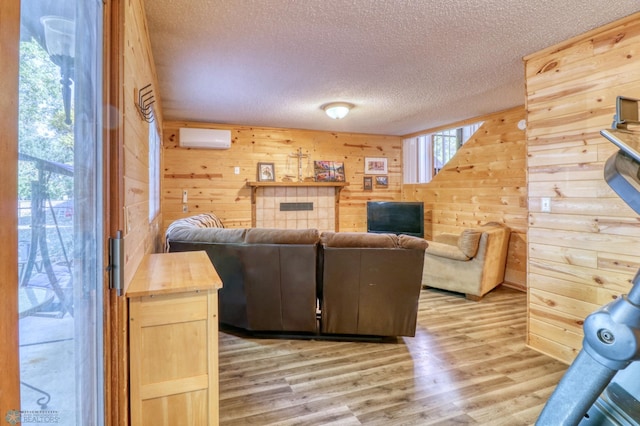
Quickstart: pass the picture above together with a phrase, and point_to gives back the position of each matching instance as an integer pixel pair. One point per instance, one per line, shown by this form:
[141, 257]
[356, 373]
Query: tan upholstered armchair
[472, 262]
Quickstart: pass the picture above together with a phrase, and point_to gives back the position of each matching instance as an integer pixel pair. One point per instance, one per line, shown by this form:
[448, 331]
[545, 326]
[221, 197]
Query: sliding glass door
[60, 214]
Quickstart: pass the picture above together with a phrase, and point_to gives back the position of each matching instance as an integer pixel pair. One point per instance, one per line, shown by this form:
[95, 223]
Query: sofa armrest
[445, 250]
[410, 242]
[447, 238]
[467, 241]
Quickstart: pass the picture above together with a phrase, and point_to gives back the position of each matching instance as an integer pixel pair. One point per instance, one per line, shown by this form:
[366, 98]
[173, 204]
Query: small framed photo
[368, 183]
[375, 166]
[382, 181]
[266, 172]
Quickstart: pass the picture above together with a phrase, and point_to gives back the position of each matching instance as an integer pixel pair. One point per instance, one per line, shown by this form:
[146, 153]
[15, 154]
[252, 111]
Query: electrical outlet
[184, 196]
[236, 170]
[545, 204]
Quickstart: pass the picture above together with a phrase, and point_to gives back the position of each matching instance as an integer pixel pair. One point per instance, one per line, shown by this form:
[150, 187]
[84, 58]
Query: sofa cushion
[281, 236]
[359, 239]
[205, 235]
[468, 241]
[411, 242]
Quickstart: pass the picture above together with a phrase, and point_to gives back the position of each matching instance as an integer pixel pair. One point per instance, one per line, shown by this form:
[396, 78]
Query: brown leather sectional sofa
[297, 281]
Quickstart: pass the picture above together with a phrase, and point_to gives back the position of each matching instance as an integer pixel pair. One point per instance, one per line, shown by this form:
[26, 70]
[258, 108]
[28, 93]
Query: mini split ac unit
[205, 138]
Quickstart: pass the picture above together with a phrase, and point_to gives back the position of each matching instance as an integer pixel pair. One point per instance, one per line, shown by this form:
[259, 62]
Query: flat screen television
[396, 217]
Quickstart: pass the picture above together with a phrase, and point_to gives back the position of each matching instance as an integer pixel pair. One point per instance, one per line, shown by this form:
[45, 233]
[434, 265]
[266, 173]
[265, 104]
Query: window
[154, 171]
[425, 155]
[445, 144]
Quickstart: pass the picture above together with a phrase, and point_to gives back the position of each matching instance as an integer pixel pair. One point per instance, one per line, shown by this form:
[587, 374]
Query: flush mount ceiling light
[337, 110]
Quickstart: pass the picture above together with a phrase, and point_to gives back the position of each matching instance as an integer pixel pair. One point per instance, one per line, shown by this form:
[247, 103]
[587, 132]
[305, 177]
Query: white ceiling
[407, 65]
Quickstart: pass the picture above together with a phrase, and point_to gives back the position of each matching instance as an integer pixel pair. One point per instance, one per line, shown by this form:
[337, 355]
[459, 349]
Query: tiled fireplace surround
[269, 204]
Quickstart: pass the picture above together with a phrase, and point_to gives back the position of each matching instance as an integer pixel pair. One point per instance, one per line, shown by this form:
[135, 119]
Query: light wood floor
[467, 364]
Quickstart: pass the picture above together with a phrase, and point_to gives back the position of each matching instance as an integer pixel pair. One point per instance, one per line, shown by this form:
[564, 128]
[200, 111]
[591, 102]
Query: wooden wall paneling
[515, 275]
[9, 356]
[129, 65]
[561, 304]
[576, 75]
[591, 240]
[564, 286]
[570, 256]
[484, 182]
[580, 253]
[559, 333]
[553, 348]
[141, 236]
[614, 225]
[564, 320]
[629, 264]
[212, 185]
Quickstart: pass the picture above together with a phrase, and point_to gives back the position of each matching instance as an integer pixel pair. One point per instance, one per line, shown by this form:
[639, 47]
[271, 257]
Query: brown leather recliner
[370, 283]
[224, 248]
[280, 279]
[268, 275]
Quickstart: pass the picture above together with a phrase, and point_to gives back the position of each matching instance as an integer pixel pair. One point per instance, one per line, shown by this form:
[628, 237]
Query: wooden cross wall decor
[299, 155]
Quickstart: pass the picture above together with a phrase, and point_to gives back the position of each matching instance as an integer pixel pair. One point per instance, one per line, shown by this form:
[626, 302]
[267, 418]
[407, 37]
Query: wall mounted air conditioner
[205, 138]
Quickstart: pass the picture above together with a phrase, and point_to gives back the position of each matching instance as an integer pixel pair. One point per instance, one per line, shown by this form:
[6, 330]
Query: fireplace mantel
[258, 189]
[255, 185]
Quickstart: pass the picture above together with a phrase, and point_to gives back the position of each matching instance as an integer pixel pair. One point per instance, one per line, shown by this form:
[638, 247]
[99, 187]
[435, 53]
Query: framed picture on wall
[382, 181]
[375, 166]
[328, 171]
[266, 172]
[368, 183]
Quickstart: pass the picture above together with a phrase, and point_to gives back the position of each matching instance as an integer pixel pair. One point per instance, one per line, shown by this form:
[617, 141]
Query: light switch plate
[545, 204]
[184, 195]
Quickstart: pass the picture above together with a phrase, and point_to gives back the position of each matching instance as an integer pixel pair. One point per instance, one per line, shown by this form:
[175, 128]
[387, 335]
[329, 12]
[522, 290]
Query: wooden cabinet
[173, 340]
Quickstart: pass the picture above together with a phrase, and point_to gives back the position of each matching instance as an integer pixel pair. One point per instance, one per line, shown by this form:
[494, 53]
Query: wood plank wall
[129, 67]
[10, 353]
[208, 175]
[140, 236]
[484, 182]
[586, 250]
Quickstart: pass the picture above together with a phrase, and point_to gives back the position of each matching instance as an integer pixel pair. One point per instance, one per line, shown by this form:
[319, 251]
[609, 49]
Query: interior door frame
[116, 359]
[115, 335]
[10, 54]
[9, 69]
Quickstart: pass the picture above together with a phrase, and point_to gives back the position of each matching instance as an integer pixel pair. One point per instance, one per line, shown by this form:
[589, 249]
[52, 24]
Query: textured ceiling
[407, 65]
